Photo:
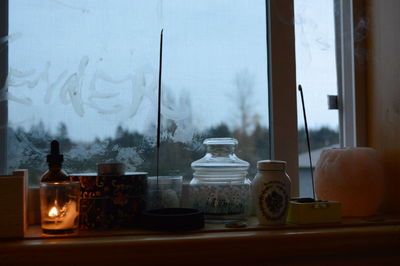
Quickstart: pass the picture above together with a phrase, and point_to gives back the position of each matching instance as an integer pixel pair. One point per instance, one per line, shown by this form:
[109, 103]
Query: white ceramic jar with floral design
[271, 192]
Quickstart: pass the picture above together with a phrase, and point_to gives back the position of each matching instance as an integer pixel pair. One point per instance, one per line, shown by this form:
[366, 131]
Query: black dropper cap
[55, 157]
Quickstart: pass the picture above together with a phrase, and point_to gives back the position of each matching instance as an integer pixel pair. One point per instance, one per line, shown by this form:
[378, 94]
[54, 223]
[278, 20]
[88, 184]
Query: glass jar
[59, 205]
[220, 187]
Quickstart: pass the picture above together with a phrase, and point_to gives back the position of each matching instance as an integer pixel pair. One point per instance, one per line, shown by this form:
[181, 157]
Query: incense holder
[310, 211]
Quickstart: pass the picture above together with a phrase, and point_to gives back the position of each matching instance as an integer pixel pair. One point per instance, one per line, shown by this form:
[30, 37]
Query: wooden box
[13, 193]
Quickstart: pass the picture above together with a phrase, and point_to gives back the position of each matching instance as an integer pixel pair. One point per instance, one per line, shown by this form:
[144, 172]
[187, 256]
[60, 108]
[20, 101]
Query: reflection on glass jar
[220, 187]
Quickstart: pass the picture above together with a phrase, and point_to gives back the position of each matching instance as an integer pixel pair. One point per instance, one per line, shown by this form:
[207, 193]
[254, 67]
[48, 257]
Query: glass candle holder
[59, 206]
[163, 192]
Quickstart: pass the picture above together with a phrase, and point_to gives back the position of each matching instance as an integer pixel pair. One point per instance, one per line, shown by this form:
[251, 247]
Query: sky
[94, 64]
[315, 60]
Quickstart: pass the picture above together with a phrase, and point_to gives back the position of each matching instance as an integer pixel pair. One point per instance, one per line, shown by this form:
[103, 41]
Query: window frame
[282, 87]
[3, 84]
[349, 22]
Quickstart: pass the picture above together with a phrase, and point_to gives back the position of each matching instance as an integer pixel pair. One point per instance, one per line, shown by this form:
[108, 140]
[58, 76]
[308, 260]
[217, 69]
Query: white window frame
[282, 86]
[345, 73]
[350, 21]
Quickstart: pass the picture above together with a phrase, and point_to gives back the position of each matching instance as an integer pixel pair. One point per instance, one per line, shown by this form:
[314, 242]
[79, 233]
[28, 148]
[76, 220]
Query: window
[325, 65]
[316, 71]
[86, 73]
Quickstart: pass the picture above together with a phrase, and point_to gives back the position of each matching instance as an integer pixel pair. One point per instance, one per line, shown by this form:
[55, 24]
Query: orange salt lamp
[352, 176]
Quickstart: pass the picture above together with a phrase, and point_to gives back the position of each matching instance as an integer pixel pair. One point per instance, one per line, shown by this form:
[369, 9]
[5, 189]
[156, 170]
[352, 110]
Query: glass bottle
[59, 197]
[220, 187]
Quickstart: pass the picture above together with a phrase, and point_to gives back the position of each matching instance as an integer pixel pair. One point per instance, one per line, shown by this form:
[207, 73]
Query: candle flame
[53, 212]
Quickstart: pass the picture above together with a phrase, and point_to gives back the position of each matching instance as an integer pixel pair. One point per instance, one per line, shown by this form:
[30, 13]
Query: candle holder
[352, 176]
[163, 192]
[59, 204]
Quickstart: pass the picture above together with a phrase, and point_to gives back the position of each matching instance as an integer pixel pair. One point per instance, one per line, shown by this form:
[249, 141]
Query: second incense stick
[159, 105]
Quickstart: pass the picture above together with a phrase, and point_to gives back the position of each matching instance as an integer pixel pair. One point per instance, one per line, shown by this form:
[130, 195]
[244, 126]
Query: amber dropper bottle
[59, 197]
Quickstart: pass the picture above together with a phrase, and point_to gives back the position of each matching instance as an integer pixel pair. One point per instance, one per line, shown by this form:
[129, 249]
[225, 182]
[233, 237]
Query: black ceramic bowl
[173, 219]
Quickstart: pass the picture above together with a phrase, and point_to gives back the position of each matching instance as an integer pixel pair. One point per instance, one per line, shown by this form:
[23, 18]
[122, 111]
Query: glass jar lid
[220, 141]
[220, 154]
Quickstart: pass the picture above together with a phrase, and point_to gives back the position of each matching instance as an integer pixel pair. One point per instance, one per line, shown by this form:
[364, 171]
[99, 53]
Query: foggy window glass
[86, 73]
[316, 72]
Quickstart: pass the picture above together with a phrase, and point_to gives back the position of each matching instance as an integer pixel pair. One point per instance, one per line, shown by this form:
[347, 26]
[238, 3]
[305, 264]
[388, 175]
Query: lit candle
[60, 207]
[53, 212]
[61, 218]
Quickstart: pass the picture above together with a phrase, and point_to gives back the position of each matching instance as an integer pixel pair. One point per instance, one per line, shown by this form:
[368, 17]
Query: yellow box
[314, 212]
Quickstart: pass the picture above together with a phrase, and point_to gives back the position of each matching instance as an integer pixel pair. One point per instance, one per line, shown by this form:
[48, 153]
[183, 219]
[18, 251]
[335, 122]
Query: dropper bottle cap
[55, 160]
[55, 157]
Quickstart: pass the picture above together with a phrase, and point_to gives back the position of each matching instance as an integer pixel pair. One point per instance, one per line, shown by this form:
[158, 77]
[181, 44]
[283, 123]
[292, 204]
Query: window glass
[316, 72]
[86, 73]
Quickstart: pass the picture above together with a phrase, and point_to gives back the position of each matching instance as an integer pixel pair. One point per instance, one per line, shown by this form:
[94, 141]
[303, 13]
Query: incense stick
[159, 105]
[308, 140]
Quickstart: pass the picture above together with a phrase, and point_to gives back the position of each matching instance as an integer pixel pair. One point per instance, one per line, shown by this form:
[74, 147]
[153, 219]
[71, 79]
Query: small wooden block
[13, 194]
[314, 212]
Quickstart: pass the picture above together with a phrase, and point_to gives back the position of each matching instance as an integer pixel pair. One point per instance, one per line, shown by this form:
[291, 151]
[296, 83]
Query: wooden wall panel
[383, 91]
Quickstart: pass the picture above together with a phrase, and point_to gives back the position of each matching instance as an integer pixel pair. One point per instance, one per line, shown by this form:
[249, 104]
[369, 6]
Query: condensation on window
[86, 73]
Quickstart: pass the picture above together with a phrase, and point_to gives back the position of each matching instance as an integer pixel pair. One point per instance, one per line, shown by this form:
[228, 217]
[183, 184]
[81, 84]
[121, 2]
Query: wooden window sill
[352, 241]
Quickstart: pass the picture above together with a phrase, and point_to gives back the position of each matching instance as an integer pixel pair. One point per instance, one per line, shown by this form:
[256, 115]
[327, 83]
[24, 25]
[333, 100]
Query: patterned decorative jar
[271, 192]
[111, 199]
[220, 187]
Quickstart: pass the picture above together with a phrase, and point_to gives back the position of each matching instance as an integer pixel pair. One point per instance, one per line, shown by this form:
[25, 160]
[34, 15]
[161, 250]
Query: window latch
[333, 102]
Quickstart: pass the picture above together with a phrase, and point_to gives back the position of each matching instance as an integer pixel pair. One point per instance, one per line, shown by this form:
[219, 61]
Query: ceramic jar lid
[111, 169]
[271, 165]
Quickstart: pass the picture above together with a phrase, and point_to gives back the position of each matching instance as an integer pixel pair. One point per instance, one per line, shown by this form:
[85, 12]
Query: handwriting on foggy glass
[70, 88]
